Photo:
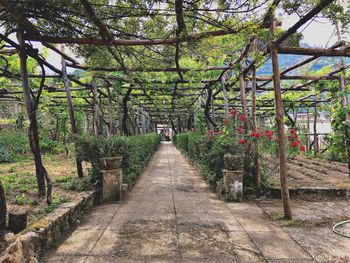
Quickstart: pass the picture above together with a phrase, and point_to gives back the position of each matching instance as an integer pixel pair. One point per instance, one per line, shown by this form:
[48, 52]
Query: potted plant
[109, 160]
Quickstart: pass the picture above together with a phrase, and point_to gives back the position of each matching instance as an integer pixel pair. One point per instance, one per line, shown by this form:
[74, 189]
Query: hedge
[209, 155]
[136, 151]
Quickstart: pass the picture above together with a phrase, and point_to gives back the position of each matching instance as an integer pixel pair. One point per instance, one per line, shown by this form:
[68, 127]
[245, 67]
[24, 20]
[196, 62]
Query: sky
[317, 33]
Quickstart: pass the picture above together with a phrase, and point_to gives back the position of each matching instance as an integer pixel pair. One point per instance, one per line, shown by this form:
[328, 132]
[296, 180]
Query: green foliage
[73, 183]
[4, 155]
[22, 199]
[207, 152]
[136, 151]
[56, 201]
[14, 142]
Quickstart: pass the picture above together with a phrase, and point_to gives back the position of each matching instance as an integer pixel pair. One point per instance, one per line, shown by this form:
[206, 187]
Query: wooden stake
[315, 131]
[257, 178]
[225, 97]
[242, 92]
[280, 124]
[73, 124]
[96, 110]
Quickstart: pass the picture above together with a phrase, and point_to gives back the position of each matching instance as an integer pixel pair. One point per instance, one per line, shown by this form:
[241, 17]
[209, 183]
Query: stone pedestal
[112, 184]
[233, 185]
[233, 162]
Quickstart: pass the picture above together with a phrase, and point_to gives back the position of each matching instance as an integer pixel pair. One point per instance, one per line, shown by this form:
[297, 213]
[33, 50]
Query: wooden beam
[299, 77]
[166, 69]
[131, 42]
[321, 52]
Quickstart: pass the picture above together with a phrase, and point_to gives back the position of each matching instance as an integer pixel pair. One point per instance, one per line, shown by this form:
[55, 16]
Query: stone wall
[45, 233]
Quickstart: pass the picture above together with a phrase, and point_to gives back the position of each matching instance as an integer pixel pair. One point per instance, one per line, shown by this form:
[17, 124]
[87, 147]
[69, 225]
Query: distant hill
[286, 61]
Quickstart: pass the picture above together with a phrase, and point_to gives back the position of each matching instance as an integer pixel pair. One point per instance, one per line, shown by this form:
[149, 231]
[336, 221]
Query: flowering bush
[238, 128]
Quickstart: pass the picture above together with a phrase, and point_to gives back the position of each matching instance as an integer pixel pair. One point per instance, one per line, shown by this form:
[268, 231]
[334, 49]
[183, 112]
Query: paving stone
[65, 259]
[256, 222]
[278, 245]
[80, 242]
[201, 228]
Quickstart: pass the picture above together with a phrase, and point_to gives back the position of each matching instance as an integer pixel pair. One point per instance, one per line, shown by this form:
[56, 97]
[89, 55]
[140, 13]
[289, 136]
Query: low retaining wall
[45, 233]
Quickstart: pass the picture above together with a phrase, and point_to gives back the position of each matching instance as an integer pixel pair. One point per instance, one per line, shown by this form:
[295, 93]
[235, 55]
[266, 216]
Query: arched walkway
[172, 216]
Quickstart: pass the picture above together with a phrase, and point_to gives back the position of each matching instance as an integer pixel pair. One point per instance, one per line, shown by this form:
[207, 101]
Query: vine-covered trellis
[142, 48]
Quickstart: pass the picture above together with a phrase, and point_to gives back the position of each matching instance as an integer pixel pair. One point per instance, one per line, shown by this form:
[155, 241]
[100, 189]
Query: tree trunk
[280, 124]
[110, 113]
[18, 220]
[125, 111]
[71, 113]
[33, 135]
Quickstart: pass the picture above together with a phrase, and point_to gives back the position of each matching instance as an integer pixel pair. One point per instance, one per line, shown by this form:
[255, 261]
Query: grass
[287, 223]
[19, 181]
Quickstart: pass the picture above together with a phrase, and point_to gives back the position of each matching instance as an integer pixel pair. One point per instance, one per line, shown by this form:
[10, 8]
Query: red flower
[295, 144]
[255, 134]
[291, 131]
[239, 130]
[269, 136]
[242, 141]
[226, 121]
[292, 158]
[296, 136]
[243, 117]
[211, 132]
[268, 133]
[233, 113]
[302, 148]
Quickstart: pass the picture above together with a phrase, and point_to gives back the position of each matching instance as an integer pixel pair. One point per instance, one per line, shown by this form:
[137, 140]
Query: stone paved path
[172, 216]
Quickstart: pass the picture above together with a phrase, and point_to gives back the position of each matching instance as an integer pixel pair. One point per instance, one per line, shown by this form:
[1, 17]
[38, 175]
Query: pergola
[90, 23]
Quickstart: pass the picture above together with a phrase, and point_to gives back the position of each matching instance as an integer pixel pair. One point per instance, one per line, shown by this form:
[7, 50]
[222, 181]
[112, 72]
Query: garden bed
[20, 186]
[314, 174]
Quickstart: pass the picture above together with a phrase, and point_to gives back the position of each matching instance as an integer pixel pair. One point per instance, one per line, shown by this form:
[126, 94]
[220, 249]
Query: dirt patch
[304, 172]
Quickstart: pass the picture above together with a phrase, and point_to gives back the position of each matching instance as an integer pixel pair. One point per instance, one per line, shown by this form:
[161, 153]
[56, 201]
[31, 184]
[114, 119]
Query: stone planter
[233, 185]
[112, 184]
[111, 163]
[233, 162]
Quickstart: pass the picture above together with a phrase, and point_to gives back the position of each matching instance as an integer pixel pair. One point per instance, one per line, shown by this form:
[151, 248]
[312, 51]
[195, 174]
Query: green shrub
[209, 153]
[5, 157]
[136, 151]
[14, 142]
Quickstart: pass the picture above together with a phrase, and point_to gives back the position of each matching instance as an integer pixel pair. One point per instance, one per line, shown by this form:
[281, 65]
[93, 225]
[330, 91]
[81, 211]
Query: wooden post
[33, 135]
[110, 129]
[96, 110]
[73, 124]
[242, 93]
[344, 100]
[315, 131]
[2, 211]
[225, 97]
[279, 121]
[257, 178]
[308, 128]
